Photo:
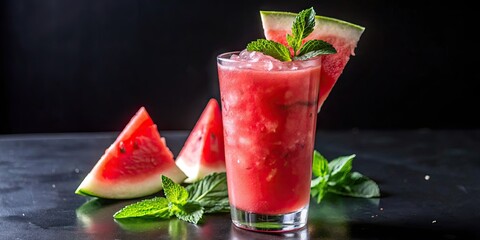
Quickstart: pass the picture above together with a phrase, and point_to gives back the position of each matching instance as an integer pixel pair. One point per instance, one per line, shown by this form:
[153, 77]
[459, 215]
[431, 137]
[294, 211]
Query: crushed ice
[259, 61]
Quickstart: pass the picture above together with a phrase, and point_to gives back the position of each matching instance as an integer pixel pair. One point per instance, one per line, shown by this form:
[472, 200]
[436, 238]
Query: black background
[82, 66]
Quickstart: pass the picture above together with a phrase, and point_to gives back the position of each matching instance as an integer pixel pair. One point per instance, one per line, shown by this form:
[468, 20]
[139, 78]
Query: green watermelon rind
[323, 19]
[83, 192]
[95, 184]
[195, 173]
[325, 26]
[93, 187]
[343, 35]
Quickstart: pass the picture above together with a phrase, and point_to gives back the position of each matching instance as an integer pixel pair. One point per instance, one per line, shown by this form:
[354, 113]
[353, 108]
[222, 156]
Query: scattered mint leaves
[210, 194]
[207, 195]
[302, 26]
[336, 177]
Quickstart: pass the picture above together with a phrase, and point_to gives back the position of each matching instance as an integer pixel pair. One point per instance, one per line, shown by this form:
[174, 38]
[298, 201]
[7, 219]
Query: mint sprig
[302, 26]
[208, 195]
[336, 177]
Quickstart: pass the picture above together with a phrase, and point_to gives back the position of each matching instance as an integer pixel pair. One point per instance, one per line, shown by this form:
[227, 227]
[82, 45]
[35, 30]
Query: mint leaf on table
[175, 193]
[336, 177]
[321, 170]
[208, 195]
[320, 165]
[179, 205]
[150, 208]
[176, 197]
[357, 185]
[339, 168]
[302, 26]
[190, 212]
[211, 193]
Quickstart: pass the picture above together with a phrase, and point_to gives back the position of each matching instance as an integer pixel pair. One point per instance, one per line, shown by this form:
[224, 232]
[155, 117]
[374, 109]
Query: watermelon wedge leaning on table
[203, 152]
[133, 165]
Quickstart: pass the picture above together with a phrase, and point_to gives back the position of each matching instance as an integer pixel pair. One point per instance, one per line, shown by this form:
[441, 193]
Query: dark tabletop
[429, 180]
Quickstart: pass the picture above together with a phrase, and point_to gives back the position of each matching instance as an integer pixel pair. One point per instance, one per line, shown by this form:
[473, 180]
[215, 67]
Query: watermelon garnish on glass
[343, 35]
[203, 152]
[133, 165]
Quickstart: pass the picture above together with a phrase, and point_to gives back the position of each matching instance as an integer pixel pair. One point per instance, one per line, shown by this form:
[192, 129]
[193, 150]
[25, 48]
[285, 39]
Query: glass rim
[222, 57]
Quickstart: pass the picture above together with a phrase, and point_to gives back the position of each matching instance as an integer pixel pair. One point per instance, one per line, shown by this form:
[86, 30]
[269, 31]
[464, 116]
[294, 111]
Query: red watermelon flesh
[203, 152]
[343, 35]
[132, 166]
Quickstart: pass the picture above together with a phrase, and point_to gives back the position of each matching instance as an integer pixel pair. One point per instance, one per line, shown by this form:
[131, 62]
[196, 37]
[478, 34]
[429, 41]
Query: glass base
[269, 223]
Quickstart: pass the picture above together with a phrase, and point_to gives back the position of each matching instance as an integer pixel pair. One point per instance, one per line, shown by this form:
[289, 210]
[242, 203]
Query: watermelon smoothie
[269, 111]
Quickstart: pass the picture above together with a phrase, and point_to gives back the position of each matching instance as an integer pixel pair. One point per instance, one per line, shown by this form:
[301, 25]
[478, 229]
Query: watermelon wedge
[343, 35]
[203, 152]
[132, 166]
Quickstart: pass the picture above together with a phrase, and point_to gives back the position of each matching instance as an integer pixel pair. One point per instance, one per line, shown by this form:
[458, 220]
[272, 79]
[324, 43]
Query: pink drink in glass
[269, 113]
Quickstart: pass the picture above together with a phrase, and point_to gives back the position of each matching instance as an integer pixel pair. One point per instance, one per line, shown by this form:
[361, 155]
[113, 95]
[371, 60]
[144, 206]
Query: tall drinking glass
[269, 111]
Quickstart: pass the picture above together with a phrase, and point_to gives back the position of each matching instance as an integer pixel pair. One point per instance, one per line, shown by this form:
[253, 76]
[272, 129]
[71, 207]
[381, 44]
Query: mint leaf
[339, 168]
[211, 193]
[357, 185]
[318, 186]
[315, 48]
[293, 43]
[320, 165]
[190, 212]
[270, 48]
[339, 179]
[150, 208]
[302, 27]
[174, 192]
[304, 23]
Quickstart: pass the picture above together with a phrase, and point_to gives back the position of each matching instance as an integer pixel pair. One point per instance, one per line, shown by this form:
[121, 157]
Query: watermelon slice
[344, 36]
[132, 166]
[203, 152]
